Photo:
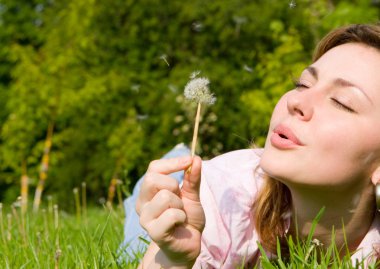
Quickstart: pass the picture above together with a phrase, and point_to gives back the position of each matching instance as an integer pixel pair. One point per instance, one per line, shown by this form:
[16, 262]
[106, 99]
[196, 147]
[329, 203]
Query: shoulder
[369, 248]
[233, 164]
[232, 171]
[235, 160]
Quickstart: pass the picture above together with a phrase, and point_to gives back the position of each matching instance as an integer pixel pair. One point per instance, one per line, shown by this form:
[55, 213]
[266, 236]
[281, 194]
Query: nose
[300, 105]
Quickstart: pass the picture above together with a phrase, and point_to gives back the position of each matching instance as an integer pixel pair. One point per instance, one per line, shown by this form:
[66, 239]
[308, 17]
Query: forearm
[155, 258]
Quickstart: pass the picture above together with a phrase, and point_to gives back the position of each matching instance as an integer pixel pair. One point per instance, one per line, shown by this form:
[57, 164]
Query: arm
[155, 258]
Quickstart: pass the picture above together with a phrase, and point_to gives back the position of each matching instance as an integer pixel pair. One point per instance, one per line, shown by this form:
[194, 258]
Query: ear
[375, 178]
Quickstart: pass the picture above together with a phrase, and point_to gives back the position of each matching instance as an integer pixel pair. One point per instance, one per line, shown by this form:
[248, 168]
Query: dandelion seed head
[316, 242]
[197, 89]
[292, 4]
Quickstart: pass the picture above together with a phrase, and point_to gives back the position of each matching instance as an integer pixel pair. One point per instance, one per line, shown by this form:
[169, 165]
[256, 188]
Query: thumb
[192, 180]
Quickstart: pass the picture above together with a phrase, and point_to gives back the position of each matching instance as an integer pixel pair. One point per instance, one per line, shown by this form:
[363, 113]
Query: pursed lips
[286, 133]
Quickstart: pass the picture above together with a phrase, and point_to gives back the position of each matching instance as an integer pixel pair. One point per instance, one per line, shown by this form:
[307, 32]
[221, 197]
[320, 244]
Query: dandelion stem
[195, 134]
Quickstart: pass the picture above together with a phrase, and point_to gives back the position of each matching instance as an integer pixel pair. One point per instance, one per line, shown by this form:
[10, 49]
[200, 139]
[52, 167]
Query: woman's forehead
[356, 63]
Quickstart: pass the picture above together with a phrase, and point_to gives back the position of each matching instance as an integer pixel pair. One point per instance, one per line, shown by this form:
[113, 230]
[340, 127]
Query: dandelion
[292, 4]
[197, 90]
[314, 243]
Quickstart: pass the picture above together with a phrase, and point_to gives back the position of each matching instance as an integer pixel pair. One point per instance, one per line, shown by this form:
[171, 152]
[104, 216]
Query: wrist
[168, 263]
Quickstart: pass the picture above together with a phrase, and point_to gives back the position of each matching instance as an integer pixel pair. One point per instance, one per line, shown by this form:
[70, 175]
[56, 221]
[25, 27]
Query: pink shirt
[228, 188]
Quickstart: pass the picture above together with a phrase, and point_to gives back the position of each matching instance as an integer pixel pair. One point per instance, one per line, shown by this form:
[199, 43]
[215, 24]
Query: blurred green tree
[110, 74]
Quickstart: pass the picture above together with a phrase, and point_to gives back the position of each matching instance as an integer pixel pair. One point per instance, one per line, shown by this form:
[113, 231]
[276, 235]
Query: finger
[163, 200]
[160, 228]
[152, 184]
[192, 181]
[168, 166]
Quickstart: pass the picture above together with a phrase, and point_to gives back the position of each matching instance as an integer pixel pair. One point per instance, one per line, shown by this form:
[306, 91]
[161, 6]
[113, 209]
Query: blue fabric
[133, 232]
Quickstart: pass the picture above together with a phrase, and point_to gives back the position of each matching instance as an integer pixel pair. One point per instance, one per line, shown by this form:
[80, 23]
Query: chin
[272, 169]
[281, 170]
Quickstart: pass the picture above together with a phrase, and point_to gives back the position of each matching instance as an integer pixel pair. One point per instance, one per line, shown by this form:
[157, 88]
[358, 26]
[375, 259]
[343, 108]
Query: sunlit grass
[52, 238]
[310, 253]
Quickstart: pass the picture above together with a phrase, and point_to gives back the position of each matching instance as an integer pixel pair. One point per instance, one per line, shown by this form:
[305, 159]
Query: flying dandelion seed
[247, 68]
[163, 57]
[197, 26]
[292, 4]
[194, 74]
[141, 117]
[173, 88]
[135, 87]
[239, 21]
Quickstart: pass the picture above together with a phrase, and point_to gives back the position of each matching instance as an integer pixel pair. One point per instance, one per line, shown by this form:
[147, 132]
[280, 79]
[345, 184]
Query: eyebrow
[339, 81]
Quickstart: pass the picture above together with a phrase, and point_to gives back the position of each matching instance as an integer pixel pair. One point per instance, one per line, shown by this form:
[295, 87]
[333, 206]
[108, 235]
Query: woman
[322, 150]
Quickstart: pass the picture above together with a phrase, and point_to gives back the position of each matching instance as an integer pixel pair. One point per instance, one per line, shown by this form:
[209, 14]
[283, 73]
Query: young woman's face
[326, 132]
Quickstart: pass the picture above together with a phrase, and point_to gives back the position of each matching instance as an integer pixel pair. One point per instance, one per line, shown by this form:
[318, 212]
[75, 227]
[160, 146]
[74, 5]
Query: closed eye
[342, 106]
[299, 85]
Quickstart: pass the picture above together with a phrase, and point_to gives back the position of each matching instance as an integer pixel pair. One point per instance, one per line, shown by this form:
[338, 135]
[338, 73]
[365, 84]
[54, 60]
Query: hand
[173, 217]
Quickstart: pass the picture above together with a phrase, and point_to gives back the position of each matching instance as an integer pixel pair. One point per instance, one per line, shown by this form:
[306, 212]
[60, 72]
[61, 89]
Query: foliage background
[110, 75]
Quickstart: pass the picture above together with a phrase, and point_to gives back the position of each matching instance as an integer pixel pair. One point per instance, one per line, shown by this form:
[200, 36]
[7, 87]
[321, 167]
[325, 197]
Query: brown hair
[274, 199]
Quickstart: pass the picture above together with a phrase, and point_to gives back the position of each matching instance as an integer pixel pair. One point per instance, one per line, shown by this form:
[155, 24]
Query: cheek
[280, 110]
[347, 148]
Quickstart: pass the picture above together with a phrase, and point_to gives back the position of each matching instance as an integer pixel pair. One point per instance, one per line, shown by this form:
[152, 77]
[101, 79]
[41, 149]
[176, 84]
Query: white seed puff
[197, 89]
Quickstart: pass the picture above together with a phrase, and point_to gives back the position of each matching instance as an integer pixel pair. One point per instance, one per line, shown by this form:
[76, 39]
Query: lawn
[52, 238]
[90, 238]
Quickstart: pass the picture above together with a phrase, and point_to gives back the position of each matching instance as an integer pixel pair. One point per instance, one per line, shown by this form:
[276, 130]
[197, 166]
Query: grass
[90, 238]
[52, 238]
[310, 254]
